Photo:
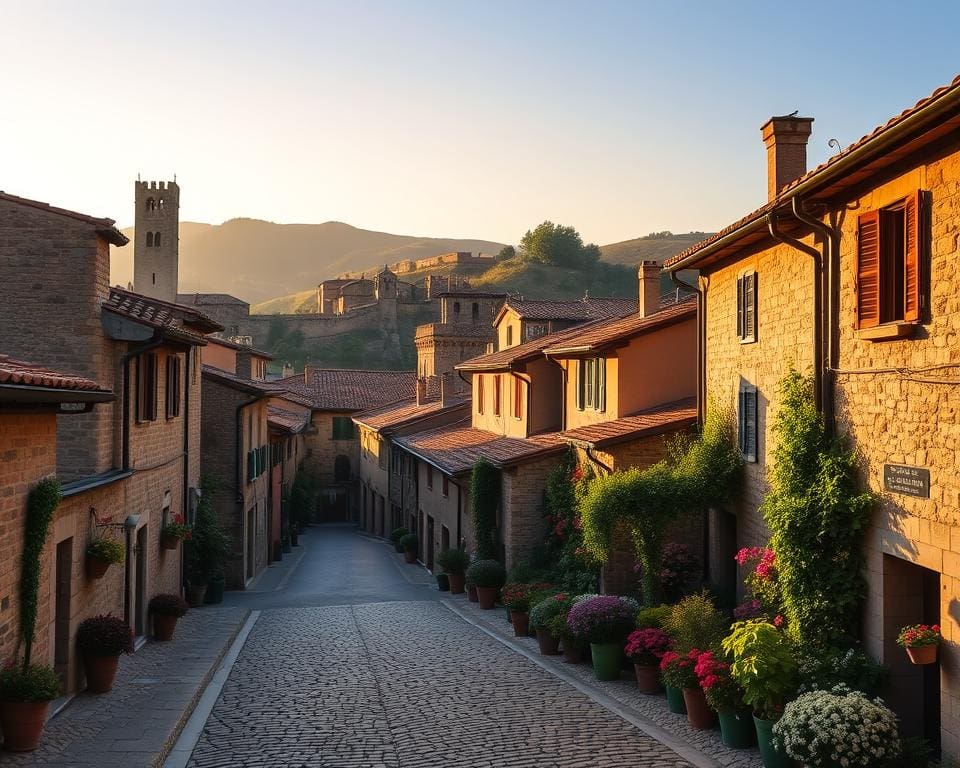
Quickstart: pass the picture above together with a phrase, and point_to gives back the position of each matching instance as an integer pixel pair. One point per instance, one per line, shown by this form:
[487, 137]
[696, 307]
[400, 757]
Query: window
[480, 393]
[496, 395]
[151, 204]
[149, 239]
[747, 423]
[173, 386]
[147, 387]
[343, 428]
[429, 477]
[747, 307]
[517, 397]
[396, 461]
[534, 331]
[475, 312]
[156, 239]
[341, 469]
[446, 485]
[160, 203]
[456, 307]
[592, 384]
[889, 258]
[381, 453]
[509, 335]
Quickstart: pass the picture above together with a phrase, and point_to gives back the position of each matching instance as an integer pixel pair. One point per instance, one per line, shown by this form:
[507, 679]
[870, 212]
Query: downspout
[595, 460]
[125, 364]
[701, 344]
[818, 363]
[186, 455]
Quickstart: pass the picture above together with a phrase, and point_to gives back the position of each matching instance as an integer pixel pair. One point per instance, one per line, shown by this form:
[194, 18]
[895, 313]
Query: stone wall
[522, 526]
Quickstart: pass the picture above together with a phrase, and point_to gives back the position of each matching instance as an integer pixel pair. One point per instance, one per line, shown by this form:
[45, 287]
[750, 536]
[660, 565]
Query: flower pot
[163, 626]
[396, 546]
[521, 623]
[606, 660]
[410, 555]
[443, 582]
[472, 595]
[699, 715]
[215, 591]
[737, 729]
[507, 612]
[772, 757]
[22, 724]
[456, 583]
[648, 678]
[572, 653]
[96, 567]
[168, 542]
[100, 672]
[549, 645]
[675, 701]
[487, 597]
[195, 594]
[923, 654]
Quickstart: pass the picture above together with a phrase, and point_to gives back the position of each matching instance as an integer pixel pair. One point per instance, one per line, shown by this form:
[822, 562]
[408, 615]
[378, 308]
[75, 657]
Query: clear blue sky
[448, 118]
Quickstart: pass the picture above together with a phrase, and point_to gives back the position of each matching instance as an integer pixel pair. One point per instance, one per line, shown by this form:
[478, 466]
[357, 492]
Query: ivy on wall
[485, 497]
[42, 502]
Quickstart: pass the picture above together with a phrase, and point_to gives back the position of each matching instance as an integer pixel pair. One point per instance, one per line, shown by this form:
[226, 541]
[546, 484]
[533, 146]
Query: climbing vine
[485, 496]
[42, 501]
[817, 515]
[573, 568]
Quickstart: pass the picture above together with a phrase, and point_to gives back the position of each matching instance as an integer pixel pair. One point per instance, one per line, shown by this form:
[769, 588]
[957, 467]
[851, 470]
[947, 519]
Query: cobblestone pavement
[405, 684]
[133, 725]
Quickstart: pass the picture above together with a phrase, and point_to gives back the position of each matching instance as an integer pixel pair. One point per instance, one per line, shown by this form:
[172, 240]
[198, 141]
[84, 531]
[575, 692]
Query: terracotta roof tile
[210, 299]
[587, 308]
[404, 412]
[102, 226]
[505, 358]
[20, 373]
[335, 389]
[237, 382]
[663, 418]
[239, 347]
[288, 421]
[177, 319]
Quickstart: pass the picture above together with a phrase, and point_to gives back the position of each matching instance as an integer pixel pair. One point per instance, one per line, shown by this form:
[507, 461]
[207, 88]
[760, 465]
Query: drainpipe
[701, 343]
[818, 362]
[125, 365]
[595, 460]
[186, 454]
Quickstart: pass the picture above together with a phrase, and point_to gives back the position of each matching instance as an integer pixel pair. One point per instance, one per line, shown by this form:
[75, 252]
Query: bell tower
[156, 239]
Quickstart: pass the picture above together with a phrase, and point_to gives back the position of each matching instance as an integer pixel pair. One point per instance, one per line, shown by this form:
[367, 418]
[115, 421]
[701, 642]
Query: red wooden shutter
[868, 270]
[912, 258]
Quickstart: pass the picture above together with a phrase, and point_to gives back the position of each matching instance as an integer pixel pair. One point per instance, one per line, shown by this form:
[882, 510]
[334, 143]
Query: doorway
[140, 593]
[61, 621]
[251, 539]
[429, 544]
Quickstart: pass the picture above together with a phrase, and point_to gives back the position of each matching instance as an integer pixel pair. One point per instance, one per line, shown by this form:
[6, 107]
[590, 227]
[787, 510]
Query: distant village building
[156, 242]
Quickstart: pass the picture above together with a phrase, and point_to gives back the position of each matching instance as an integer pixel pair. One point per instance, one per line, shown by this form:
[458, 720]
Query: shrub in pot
[652, 618]
[548, 618]
[409, 544]
[101, 640]
[25, 696]
[695, 622]
[604, 622]
[455, 562]
[443, 582]
[205, 553]
[103, 552]
[166, 609]
[677, 673]
[395, 535]
[174, 532]
[644, 648]
[517, 598]
[488, 577]
[725, 697]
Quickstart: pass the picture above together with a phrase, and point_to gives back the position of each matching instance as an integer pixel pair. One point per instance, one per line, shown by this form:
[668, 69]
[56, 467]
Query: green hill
[654, 247]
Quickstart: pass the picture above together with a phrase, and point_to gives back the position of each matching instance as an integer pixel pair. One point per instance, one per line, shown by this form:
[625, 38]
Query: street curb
[184, 736]
[683, 749]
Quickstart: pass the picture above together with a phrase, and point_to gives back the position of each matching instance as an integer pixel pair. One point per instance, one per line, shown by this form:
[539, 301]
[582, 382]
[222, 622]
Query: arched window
[156, 239]
[151, 204]
[341, 469]
[160, 203]
[476, 311]
[149, 239]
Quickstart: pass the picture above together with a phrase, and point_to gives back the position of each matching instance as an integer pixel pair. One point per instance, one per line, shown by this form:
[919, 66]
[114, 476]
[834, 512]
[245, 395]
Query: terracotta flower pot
[456, 583]
[699, 715]
[163, 626]
[923, 654]
[22, 724]
[410, 555]
[100, 672]
[472, 594]
[648, 678]
[169, 542]
[549, 645]
[196, 594]
[521, 623]
[487, 597]
[96, 567]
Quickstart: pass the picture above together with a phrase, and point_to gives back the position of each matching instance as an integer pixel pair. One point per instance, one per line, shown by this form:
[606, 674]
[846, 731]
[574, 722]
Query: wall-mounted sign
[910, 481]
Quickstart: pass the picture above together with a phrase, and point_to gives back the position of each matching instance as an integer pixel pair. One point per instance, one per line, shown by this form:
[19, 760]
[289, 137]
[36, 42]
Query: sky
[447, 119]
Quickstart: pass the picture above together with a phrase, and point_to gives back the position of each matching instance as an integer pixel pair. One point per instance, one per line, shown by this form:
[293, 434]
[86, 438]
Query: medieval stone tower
[156, 239]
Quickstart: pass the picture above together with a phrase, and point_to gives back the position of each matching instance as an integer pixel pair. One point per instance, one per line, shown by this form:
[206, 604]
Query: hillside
[259, 260]
[650, 248]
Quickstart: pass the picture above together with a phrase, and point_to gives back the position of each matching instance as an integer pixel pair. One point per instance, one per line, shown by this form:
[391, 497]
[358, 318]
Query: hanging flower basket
[921, 642]
[174, 532]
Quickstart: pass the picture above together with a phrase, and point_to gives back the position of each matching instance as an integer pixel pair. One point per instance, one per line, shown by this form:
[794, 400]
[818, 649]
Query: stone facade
[156, 240]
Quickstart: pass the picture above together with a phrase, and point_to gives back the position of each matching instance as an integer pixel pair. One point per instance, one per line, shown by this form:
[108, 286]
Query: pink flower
[778, 621]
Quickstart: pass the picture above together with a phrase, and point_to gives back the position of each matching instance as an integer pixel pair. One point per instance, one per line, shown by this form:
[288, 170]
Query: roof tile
[20, 373]
[335, 389]
[663, 418]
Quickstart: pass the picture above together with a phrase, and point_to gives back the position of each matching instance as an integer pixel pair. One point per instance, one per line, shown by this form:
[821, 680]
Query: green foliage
[107, 549]
[42, 502]
[206, 551]
[485, 496]
[507, 252]
[763, 665]
[570, 566]
[531, 570]
[544, 613]
[817, 516]
[409, 541]
[168, 605]
[453, 560]
[486, 573]
[30, 682]
[104, 635]
[303, 496]
[397, 534]
[555, 244]
[697, 472]
[653, 618]
[695, 622]
[853, 668]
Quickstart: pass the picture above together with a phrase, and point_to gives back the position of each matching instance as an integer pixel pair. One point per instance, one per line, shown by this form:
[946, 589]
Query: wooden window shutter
[602, 384]
[912, 257]
[480, 393]
[748, 420]
[868, 270]
[750, 306]
[581, 371]
[740, 333]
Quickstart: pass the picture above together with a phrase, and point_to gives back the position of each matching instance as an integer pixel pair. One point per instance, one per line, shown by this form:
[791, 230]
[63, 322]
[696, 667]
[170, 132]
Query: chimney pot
[786, 141]
[648, 300]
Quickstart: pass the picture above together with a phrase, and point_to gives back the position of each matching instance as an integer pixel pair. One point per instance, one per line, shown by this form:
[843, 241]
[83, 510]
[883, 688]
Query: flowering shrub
[678, 669]
[545, 612]
[36, 682]
[168, 605]
[679, 570]
[517, 597]
[762, 584]
[839, 727]
[176, 529]
[647, 646]
[853, 668]
[104, 635]
[575, 570]
[486, 573]
[722, 692]
[918, 635]
[604, 619]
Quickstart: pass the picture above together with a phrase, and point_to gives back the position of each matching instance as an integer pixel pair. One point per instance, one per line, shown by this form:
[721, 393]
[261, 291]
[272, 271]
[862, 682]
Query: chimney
[421, 390]
[244, 365]
[287, 370]
[446, 390]
[649, 298]
[786, 141]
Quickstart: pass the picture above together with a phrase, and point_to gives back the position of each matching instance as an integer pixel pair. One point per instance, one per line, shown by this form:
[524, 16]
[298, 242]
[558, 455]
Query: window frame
[445, 486]
[336, 434]
[496, 395]
[517, 398]
[747, 300]
[748, 431]
[146, 403]
[429, 477]
[480, 393]
[591, 383]
[173, 396]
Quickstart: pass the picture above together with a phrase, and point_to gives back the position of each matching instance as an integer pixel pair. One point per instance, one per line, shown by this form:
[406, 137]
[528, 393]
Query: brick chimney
[786, 142]
[421, 390]
[446, 390]
[649, 297]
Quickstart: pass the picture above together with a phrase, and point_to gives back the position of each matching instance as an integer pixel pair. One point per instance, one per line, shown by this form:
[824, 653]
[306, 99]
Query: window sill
[748, 340]
[887, 331]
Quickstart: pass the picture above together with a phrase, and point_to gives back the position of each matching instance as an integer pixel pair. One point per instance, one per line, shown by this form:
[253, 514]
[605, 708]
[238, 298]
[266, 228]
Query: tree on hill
[556, 244]
[506, 253]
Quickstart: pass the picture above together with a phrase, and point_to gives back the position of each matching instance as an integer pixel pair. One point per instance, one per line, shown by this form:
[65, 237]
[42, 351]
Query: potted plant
[677, 673]
[862, 732]
[764, 666]
[455, 562]
[443, 582]
[25, 695]
[103, 552]
[174, 532]
[395, 536]
[206, 551]
[518, 599]
[725, 697]
[409, 544]
[166, 609]
[215, 587]
[488, 577]
[921, 642]
[544, 617]
[645, 648]
[604, 622]
[101, 640]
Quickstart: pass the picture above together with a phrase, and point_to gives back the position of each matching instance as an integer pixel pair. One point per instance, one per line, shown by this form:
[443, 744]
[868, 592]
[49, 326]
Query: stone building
[156, 243]
[848, 271]
[465, 330]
